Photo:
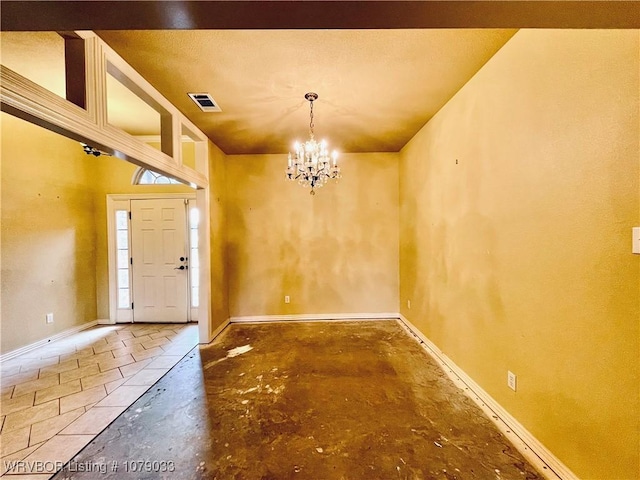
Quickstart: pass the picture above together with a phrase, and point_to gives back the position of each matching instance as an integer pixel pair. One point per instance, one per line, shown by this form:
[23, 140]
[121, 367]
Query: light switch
[635, 242]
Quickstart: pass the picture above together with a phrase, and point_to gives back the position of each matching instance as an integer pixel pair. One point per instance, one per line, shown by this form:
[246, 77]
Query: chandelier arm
[311, 163]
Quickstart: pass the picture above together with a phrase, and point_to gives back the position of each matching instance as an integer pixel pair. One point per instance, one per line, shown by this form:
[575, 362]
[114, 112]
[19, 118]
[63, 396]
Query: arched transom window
[142, 176]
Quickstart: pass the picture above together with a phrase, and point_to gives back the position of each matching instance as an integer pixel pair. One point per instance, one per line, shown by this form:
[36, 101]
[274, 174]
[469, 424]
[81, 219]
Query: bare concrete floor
[332, 400]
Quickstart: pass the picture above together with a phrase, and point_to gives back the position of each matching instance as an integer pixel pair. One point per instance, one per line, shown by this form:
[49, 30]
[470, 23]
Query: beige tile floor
[56, 399]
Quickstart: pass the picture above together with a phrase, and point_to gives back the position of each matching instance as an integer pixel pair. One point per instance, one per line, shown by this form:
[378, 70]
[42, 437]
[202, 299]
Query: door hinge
[129, 214]
[131, 305]
[131, 260]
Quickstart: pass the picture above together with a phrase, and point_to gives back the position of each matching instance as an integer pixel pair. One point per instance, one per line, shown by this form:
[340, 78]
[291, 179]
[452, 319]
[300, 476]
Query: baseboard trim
[105, 321]
[539, 455]
[216, 332]
[314, 317]
[45, 341]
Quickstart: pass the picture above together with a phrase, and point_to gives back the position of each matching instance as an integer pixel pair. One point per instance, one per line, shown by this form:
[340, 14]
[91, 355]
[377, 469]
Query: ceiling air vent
[205, 102]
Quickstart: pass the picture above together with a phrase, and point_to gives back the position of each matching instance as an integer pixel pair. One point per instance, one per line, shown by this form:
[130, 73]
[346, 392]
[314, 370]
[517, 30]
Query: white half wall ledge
[46, 341]
[533, 450]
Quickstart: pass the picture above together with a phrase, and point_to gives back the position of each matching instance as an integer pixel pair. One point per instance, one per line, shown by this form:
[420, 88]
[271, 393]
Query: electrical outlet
[511, 380]
[49, 317]
[287, 299]
[409, 304]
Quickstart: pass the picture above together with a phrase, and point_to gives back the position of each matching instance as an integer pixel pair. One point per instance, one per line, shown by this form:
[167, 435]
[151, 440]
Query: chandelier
[309, 164]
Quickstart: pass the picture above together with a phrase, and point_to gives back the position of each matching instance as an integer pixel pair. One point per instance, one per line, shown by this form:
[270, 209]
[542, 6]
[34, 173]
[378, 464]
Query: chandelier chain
[311, 125]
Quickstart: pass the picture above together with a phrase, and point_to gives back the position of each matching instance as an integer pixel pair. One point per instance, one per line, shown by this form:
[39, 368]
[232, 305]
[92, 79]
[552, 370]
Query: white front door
[159, 260]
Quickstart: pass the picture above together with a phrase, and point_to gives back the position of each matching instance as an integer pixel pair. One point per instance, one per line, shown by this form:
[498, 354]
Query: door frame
[119, 202]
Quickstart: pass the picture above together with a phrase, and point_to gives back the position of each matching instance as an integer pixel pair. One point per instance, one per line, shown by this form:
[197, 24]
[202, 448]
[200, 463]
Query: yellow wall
[335, 252]
[54, 224]
[517, 202]
[48, 234]
[218, 237]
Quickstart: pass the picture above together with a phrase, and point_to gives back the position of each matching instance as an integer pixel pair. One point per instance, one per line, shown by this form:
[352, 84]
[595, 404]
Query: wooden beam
[363, 14]
[74, 69]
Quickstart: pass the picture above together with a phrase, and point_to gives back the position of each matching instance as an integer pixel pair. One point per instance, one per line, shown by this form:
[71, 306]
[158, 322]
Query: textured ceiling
[376, 88]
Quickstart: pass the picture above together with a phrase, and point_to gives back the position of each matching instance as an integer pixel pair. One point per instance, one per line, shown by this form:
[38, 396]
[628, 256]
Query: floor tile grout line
[30, 453]
[147, 360]
[125, 409]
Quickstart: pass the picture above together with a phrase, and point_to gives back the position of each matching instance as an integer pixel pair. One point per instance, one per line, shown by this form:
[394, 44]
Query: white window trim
[194, 313]
[122, 315]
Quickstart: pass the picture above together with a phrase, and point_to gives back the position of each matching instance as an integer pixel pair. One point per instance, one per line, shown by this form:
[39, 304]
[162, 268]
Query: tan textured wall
[218, 226]
[517, 202]
[111, 176]
[335, 252]
[48, 234]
